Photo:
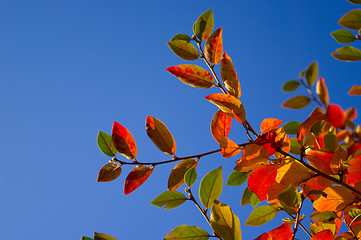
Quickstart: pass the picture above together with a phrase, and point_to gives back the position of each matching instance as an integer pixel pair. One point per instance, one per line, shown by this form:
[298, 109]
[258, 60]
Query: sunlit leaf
[339, 159]
[320, 159]
[336, 116]
[343, 36]
[169, 199]
[353, 174]
[181, 36]
[330, 141]
[220, 125]
[211, 187]
[354, 214]
[269, 124]
[103, 236]
[224, 222]
[290, 197]
[312, 73]
[335, 198]
[192, 75]
[261, 179]
[203, 27]
[347, 53]
[261, 215]
[213, 48]
[190, 177]
[290, 86]
[316, 227]
[323, 235]
[323, 216]
[297, 102]
[236, 178]
[230, 105]
[124, 141]
[246, 196]
[160, 135]
[105, 144]
[137, 176]
[283, 232]
[321, 91]
[229, 148]
[351, 20]
[253, 156]
[186, 232]
[109, 172]
[305, 127]
[291, 127]
[355, 90]
[184, 50]
[293, 173]
[229, 76]
[176, 177]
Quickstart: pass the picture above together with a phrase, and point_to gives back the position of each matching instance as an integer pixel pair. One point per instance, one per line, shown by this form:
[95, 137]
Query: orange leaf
[334, 198]
[274, 191]
[123, 141]
[351, 113]
[306, 125]
[253, 156]
[323, 235]
[220, 125]
[269, 124]
[338, 160]
[336, 116]
[109, 172]
[176, 177]
[321, 91]
[355, 90]
[137, 176]
[229, 76]
[213, 47]
[353, 174]
[230, 105]
[229, 148]
[160, 135]
[317, 183]
[272, 140]
[293, 172]
[261, 179]
[320, 159]
[192, 75]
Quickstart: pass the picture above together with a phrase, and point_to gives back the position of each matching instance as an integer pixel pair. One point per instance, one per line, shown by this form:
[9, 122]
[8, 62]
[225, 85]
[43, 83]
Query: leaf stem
[297, 223]
[312, 95]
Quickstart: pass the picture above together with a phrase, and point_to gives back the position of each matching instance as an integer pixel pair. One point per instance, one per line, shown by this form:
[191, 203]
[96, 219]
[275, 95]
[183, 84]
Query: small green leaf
[236, 178]
[184, 50]
[186, 232]
[169, 199]
[355, 214]
[324, 216]
[343, 36]
[330, 141]
[290, 86]
[297, 102]
[109, 172]
[246, 197]
[302, 73]
[203, 27]
[348, 54]
[211, 187]
[254, 200]
[290, 197]
[261, 215]
[190, 177]
[312, 73]
[105, 144]
[86, 238]
[351, 20]
[295, 147]
[355, 1]
[181, 36]
[291, 127]
[103, 236]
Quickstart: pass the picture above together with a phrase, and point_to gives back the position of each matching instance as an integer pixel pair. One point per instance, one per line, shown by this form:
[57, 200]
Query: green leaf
[246, 197]
[343, 36]
[330, 141]
[86, 238]
[224, 222]
[190, 177]
[297, 102]
[109, 172]
[351, 20]
[324, 216]
[211, 187]
[103, 236]
[169, 199]
[186, 232]
[105, 144]
[254, 200]
[184, 50]
[312, 73]
[236, 178]
[261, 215]
[181, 36]
[295, 147]
[176, 177]
[291, 127]
[348, 54]
[355, 214]
[355, 1]
[290, 86]
[290, 197]
[203, 27]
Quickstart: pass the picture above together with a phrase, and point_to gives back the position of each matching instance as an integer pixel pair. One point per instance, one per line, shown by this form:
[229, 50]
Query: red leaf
[317, 183]
[283, 232]
[336, 116]
[192, 75]
[123, 141]
[220, 125]
[269, 124]
[323, 235]
[136, 177]
[306, 125]
[272, 140]
[353, 175]
[261, 179]
[320, 159]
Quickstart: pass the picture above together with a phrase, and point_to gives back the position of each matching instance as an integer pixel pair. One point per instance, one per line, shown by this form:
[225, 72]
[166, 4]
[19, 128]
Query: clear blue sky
[70, 68]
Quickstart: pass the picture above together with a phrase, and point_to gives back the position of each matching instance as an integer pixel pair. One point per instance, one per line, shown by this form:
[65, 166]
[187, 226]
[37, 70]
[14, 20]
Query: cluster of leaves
[320, 163]
[352, 21]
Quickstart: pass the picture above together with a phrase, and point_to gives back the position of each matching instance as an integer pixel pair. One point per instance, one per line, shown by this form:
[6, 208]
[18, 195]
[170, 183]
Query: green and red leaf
[160, 135]
[213, 48]
[203, 27]
[347, 53]
[137, 176]
[192, 75]
[176, 177]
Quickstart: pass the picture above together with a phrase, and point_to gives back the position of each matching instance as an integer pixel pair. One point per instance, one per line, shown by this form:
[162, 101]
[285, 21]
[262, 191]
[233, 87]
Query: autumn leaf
[229, 76]
[160, 135]
[321, 91]
[355, 90]
[109, 172]
[336, 116]
[103, 236]
[351, 20]
[253, 156]
[323, 235]
[192, 75]
[220, 125]
[137, 176]
[315, 184]
[353, 173]
[261, 179]
[334, 198]
[293, 172]
[229, 148]
[297, 102]
[176, 177]
[306, 125]
[269, 124]
[320, 160]
[203, 27]
[283, 232]
[261, 215]
[124, 141]
[186, 232]
[213, 47]
[347, 53]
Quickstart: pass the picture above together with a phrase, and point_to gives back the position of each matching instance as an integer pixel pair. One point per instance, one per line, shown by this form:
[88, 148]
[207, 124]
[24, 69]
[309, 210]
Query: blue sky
[70, 68]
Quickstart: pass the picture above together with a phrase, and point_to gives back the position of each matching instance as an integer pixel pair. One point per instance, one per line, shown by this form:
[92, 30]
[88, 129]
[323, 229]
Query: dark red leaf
[136, 177]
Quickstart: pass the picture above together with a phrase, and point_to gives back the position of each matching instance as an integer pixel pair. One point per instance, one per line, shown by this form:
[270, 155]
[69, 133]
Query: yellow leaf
[293, 173]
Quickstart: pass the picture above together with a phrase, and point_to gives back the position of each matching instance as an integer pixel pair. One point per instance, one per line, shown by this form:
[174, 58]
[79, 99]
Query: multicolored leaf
[186, 232]
[137, 176]
[297, 102]
[124, 141]
[203, 27]
[261, 179]
[290, 86]
[229, 148]
[184, 50]
[347, 53]
[355, 90]
[230, 105]
[109, 172]
[192, 75]
[220, 125]
[311, 73]
[176, 177]
[169, 199]
[213, 47]
[229, 76]
[261, 215]
[343, 36]
[253, 156]
[105, 144]
[351, 20]
[321, 91]
[334, 198]
[293, 172]
[160, 135]
[211, 187]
